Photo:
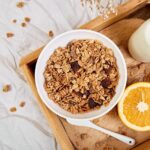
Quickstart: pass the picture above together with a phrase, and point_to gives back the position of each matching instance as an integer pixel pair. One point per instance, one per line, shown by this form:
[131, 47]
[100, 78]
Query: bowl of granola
[80, 74]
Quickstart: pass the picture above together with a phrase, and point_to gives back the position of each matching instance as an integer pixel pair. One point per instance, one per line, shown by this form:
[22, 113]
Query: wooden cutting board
[85, 138]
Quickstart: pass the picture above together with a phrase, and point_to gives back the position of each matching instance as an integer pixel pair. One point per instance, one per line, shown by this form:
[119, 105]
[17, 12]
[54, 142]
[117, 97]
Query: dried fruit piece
[6, 88]
[107, 70]
[106, 82]
[9, 34]
[13, 109]
[92, 103]
[112, 91]
[79, 94]
[87, 93]
[75, 66]
[71, 102]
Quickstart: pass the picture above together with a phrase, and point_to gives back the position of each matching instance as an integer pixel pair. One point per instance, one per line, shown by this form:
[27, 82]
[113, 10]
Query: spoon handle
[123, 138]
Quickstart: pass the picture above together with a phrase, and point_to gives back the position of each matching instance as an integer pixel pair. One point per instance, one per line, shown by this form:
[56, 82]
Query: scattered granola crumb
[83, 136]
[23, 24]
[6, 88]
[13, 109]
[20, 4]
[50, 33]
[22, 104]
[9, 34]
[14, 20]
[27, 19]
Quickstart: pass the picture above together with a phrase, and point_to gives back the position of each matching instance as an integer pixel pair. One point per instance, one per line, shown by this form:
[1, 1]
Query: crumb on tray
[6, 88]
[9, 34]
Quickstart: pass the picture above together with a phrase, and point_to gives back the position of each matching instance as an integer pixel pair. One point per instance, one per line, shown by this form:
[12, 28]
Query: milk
[139, 43]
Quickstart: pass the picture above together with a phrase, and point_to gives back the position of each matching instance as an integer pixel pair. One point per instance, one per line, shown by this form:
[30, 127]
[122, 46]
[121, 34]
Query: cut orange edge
[120, 107]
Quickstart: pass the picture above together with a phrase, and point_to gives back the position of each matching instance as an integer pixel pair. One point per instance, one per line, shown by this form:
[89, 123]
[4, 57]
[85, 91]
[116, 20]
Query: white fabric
[27, 129]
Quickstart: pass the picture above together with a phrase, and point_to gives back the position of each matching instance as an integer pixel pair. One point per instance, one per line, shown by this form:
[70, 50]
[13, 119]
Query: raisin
[106, 82]
[72, 103]
[112, 91]
[94, 72]
[75, 66]
[52, 63]
[108, 62]
[108, 70]
[79, 94]
[92, 103]
[87, 93]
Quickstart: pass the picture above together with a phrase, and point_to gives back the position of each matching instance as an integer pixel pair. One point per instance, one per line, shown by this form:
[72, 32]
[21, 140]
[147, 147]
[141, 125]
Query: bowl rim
[70, 32]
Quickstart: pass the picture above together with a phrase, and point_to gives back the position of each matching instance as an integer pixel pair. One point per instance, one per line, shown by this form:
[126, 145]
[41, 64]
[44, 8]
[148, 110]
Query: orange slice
[134, 106]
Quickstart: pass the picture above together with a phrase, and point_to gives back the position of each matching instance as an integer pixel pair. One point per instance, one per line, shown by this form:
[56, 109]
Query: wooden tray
[72, 137]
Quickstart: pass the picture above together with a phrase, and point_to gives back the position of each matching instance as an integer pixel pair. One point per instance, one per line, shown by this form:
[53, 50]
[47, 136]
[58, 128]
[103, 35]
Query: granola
[50, 33]
[23, 24]
[27, 19]
[13, 109]
[6, 88]
[9, 34]
[81, 76]
[20, 4]
[22, 104]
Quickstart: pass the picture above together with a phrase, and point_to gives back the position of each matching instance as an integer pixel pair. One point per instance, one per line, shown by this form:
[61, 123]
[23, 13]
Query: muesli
[81, 76]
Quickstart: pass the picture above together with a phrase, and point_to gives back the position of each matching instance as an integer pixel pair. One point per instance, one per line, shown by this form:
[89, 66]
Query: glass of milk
[139, 43]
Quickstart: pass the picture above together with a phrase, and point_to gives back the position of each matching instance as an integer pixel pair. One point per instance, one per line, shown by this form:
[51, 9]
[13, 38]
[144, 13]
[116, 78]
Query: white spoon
[87, 123]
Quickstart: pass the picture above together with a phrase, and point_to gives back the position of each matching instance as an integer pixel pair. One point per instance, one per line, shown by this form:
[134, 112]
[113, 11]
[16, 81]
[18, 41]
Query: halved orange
[134, 106]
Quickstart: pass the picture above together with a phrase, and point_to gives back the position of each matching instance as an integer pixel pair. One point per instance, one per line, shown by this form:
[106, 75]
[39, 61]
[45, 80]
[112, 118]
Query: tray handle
[123, 10]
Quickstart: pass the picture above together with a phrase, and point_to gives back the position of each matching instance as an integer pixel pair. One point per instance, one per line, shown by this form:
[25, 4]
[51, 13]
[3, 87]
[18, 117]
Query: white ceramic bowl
[62, 40]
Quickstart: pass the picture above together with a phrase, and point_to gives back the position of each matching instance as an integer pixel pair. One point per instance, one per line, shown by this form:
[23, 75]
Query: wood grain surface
[143, 146]
[83, 137]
